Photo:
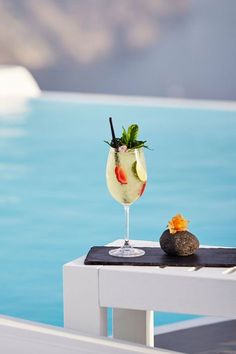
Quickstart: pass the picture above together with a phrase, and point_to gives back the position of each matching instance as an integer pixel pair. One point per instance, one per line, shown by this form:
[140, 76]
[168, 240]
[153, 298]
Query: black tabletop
[155, 256]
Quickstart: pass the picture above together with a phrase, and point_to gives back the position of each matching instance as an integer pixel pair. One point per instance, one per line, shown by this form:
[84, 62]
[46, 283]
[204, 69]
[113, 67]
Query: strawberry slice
[143, 188]
[120, 175]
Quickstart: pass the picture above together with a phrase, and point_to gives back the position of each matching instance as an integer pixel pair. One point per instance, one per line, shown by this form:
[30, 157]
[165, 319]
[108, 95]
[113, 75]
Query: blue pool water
[54, 204]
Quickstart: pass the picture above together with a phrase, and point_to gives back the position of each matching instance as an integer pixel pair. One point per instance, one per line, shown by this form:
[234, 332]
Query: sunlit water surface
[54, 203]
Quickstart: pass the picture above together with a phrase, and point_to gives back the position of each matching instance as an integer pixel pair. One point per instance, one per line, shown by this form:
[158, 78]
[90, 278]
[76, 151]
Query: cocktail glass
[126, 178]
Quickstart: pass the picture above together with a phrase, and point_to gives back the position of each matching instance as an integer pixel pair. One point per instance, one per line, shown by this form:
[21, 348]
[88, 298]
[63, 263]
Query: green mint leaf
[132, 133]
[138, 143]
[107, 142]
[124, 138]
[112, 143]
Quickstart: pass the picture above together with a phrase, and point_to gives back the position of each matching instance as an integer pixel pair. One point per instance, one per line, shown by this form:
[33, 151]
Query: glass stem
[126, 207]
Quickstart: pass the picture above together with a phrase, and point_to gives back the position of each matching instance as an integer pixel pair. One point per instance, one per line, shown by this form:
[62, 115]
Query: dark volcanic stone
[182, 243]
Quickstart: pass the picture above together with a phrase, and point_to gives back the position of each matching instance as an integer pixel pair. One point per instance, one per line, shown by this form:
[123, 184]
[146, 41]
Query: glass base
[126, 252]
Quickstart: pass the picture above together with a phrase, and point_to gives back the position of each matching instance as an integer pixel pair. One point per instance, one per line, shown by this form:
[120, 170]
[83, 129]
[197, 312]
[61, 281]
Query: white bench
[135, 292]
[18, 336]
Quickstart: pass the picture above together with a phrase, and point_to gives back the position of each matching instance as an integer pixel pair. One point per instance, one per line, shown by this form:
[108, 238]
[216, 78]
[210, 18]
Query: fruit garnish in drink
[142, 189]
[120, 175]
[139, 171]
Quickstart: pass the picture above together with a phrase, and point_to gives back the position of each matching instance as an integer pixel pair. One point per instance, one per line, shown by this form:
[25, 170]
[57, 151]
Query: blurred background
[167, 48]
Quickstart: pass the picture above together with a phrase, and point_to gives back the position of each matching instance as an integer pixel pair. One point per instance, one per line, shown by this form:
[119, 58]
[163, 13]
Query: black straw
[113, 134]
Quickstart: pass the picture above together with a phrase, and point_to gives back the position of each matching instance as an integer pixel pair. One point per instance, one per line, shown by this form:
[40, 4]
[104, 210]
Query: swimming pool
[54, 203]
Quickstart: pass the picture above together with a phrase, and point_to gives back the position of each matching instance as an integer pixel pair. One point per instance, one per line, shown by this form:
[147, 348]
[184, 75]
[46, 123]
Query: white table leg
[82, 311]
[134, 326]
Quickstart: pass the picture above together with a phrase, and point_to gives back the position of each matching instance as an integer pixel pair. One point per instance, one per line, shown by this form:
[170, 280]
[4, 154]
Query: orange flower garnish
[178, 223]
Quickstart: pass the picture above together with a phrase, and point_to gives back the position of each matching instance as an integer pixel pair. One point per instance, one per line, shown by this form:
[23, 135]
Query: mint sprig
[129, 138]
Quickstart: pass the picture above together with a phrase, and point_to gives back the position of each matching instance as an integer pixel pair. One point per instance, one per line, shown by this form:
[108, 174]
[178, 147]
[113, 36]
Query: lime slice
[140, 171]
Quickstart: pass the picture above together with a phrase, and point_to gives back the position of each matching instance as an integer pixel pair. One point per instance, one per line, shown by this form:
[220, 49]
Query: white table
[135, 292]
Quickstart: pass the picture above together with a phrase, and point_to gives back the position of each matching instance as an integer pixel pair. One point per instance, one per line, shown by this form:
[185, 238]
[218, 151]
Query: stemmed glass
[126, 178]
